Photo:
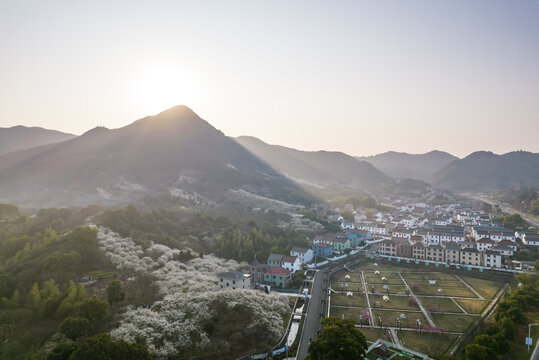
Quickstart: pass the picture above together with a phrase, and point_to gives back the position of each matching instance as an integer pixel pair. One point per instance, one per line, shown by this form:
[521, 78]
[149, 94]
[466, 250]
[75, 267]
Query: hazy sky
[361, 77]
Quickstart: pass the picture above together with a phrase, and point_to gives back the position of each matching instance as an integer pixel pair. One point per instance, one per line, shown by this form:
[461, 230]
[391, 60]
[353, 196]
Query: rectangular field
[472, 306]
[433, 344]
[356, 299]
[395, 302]
[389, 318]
[487, 288]
[349, 313]
[373, 334]
[373, 280]
[393, 289]
[429, 276]
[457, 323]
[341, 276]
[439, 304]
[433, 290]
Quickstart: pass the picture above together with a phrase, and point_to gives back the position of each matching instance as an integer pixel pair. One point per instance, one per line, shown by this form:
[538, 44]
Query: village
[443, 235]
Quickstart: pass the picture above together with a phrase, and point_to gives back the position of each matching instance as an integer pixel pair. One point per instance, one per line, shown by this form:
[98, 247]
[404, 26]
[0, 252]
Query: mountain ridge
[486, 171]
[402, 165]
[21, 137]
[174, 151]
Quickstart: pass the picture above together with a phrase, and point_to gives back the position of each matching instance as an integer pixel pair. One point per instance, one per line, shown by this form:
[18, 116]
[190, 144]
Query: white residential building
[530, 239]
[492, 259]
[305, 255]
[291, 263]
[484, 244]
[234, 280]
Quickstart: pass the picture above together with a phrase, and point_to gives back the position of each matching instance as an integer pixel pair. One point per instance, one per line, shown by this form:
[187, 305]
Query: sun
[162, 87]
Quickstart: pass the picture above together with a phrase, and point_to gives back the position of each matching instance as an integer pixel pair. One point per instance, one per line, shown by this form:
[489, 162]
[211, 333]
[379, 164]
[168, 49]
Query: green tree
[95, 311]
[508, 328]
[63, 265]
[477, 352]
[103, 347]
[514, 221]
[15, 299]
[74, 328]
[73, 295]
[489, 342]
[115, 292]
[34, 298]
[339, 339]
[50, 298]
[62, 351]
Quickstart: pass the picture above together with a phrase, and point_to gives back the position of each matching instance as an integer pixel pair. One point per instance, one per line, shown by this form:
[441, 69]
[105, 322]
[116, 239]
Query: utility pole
[529, 338]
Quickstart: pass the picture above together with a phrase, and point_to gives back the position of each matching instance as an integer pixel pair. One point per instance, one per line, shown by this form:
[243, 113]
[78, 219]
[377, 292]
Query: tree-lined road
[505, 208]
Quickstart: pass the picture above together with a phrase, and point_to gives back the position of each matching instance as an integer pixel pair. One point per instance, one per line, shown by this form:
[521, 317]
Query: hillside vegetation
[156, 291]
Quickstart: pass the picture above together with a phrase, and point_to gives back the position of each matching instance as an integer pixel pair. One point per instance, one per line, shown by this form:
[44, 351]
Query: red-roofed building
[277, 276]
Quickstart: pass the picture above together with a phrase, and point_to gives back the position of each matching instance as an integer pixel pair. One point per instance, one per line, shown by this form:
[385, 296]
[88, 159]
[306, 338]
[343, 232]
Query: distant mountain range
[178, 156]
[401, 165]
[175, 153]
[316, 168]
[486, 171]
[22, 137]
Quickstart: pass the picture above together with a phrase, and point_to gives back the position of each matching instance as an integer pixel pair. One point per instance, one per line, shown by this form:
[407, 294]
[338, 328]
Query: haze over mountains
[410, 166]
[175, 153]
[316, 168]
[22, 137]
[178, 155]
[486, 171]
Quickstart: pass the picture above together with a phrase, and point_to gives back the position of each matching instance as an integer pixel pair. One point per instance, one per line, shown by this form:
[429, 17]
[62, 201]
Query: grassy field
[487, 288]
[439, 303]
[347, 286]
[373, 334]
[349, 313]
[432, 344]
[341, 276]
[378, 280]
[343, 300]
[386, 274]
[395, 302]
[429, 276]
[472, 306]
[458, 323]
[389, 318]
[450, 284]
[393, 289]
[433, 290]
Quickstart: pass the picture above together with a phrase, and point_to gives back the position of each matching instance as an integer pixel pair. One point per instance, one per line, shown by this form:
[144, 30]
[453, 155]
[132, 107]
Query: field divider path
[409, 329]
[367, 296]
[419, 303]
[470, 287]
[395, 338]
[460, 307]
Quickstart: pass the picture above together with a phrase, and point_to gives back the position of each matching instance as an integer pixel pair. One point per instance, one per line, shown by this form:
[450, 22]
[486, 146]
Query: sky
[362, 77]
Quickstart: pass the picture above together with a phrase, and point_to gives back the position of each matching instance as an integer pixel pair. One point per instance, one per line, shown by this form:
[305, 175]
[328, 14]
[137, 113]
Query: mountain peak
[177, 118]
[177, 111]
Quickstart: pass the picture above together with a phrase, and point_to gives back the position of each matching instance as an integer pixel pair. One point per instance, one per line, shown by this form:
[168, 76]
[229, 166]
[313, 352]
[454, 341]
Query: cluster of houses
[486, 246]
[326, 245]
[277, 272]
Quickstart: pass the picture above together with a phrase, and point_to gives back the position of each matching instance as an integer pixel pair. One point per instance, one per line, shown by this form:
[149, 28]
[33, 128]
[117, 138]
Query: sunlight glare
[163, 87]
